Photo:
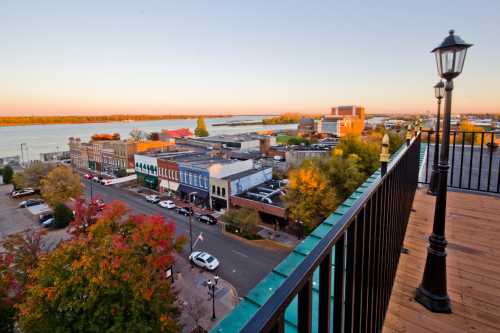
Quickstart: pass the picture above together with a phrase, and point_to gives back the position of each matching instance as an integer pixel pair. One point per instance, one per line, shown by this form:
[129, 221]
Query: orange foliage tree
[110, 279]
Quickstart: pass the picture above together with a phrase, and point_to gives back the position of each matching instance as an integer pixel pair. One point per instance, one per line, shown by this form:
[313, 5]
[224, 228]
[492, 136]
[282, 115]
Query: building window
[213, 189]
[218, 190]
[223, 192]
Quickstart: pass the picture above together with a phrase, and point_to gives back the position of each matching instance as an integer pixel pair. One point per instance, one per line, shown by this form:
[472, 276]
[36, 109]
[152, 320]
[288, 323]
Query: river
[50, 138]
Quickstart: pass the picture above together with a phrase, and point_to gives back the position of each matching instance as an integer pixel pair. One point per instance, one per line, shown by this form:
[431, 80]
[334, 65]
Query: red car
[87, 176]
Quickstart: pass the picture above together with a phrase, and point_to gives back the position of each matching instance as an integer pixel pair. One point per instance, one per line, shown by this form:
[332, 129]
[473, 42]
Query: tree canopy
[60, 185]
[201, 127]
[111, 279]
[34, 173]
[7, 174]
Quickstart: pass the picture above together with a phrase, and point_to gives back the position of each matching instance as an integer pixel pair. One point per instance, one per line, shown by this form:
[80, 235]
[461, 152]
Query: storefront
[200, 198]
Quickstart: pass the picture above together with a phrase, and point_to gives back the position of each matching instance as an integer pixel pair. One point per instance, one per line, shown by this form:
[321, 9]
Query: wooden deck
[473, 266]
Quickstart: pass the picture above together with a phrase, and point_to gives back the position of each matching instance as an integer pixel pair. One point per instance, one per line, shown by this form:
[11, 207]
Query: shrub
[63, 215]
[7, 174]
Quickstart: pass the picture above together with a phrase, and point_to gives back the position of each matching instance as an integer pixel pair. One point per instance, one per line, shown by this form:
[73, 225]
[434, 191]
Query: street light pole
[432, 292]
[211, 290]
[190, 220]
[438, 89]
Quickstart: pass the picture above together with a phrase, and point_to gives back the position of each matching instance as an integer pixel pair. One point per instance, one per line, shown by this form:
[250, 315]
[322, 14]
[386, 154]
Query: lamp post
[190, 220]
[439, 92]
[432, 292]
[211, 290]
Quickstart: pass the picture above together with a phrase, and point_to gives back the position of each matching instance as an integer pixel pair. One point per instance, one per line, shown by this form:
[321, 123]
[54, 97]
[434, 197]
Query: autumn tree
[60, 185]
[7, 174]
[472, 133]
[34, 173]
[201, 127]
[109, 280]
[20, 255]
[86, 214]
[18, 180]
[310, 196]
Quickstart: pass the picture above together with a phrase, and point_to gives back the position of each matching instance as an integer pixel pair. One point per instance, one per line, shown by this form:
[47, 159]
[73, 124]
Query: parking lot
[14, 219]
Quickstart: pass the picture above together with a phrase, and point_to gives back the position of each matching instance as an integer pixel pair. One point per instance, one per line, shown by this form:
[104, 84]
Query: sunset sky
[241, 57]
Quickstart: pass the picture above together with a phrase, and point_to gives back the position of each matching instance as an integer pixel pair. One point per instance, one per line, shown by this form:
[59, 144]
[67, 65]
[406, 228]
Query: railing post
[384, 155]
[409, 135]
[338, 289]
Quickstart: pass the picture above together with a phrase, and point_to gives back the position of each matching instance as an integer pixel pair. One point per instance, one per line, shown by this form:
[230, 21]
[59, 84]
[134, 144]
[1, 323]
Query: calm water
[51, 138]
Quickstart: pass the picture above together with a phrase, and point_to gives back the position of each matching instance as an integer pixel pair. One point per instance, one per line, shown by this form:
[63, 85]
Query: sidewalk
[194, 299]
[278, 236]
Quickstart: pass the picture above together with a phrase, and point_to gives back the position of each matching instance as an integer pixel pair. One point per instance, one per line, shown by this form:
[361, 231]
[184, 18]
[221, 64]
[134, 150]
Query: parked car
[87, 176]
[44, 217]
[186, 211]
[169, 204]
[22, 193]
[153, 198]
[204, 260]
[49, 222]
[30, 202]
[207, 218]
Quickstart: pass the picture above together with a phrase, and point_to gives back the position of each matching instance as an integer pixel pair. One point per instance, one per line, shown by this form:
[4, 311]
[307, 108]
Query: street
[241, 264]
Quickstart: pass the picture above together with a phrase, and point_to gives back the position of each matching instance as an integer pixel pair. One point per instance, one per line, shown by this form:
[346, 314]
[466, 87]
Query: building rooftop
[233, 137]
[245, 173]
[473, 272]
[269, 193]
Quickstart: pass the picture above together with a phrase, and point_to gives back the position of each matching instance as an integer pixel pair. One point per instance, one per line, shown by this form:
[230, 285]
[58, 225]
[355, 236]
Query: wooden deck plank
[473, 267]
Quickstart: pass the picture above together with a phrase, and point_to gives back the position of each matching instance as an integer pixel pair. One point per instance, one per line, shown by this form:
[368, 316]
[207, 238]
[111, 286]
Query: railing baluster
[427, 158]
[305, 307]
[279, 326]
[498, 179]
[360, 270]
[480, 162]
[367, 259]
[471, 159]
[338, 287]
[453, 158]
[350, 288]
[462, 160]
[325, 290]
[492, 142]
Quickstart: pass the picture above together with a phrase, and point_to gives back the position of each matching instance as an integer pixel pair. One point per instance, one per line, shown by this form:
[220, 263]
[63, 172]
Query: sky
[240, 57]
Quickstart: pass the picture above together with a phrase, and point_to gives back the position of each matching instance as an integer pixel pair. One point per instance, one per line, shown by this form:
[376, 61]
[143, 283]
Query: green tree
[62, 215]
[7, 174]
[245, 220]
[201, 128]
[368, 152]
[344, 173]
[109, 280]
[60, 185]
[310, 196]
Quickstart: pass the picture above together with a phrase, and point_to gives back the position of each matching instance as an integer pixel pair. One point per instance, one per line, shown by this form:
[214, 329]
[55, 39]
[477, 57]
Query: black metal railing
[364, 245]
[474, 160]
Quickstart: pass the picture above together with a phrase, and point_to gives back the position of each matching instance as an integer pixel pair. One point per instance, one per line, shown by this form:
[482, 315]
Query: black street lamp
[190, 220]
[432, 292]
[439, 92]
[211, 290]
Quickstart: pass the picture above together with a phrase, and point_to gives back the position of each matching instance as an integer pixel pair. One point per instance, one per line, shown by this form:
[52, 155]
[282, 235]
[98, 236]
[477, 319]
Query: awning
[188, 189]
[169, 185]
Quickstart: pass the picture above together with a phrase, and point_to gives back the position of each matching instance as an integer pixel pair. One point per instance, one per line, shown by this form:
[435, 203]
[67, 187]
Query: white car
[152, 198]
[22, 193]
[169, 204]
[204, 260]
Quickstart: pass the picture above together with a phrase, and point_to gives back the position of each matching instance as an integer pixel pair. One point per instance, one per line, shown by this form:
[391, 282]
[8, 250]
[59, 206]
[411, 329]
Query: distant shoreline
[65, 120]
